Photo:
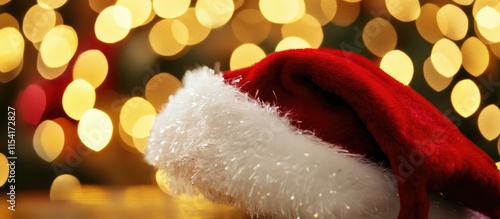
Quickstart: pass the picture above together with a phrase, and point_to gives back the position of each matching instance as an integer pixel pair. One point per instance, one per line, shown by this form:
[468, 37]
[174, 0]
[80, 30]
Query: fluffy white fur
[215, 140]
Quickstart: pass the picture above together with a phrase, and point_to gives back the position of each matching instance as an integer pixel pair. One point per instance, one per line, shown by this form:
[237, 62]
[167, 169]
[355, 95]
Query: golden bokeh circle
[246, 55]
[162, 39]
[292, 43]
[7, 20]
[78, 97]
[59, 46]
[306, 28]
[427, 24]
[452, 22]
[132, 111]
[249, 26]
[379, 36]
[446, 57]
[465, 98]
[488, 23]
[4, 169]
[322, 10]
[160, 87]
[140, 10]
[170, 8]
[489, 122]
[197, 32]
[348, 13]
[214, 13]
[65, 187]
[95, 129]
[48, 140]
[48, 72]
[113, 24]
[282, 11]
[37, 22]
[475, 55]
[405, 11]
[92, 66]
[12, 52]
[398, 64]
[51, 4]
[435, 80]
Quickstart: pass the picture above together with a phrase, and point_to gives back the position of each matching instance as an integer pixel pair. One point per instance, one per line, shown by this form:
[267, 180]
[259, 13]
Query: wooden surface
[144, 202]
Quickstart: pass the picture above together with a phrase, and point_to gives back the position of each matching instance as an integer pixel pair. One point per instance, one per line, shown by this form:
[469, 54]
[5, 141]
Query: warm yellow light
[140, 144]
[348, 13]
[464, 2]
[475, 56]
[306, 28]
[452, 22]
[498, 163]
[379, 36]
[498, 149]
[160, 87]
[78, 97]
[246, 55]
[403, 10]
[99, 5]
[197, 32]
[48, 140]
[249, 26]
[292, 43]
[126, 138]
[12, 52]
[4, 169]
[180, 32]
[489, 122]
[162, 40]
[446, 57]
[132, 111]
[163, 181]
[37, 22]
[7, 20]
[51, 4]
[59, 46]
[91, 66]
[427, 23]
[3, 2]
[398, 65]
[139, 10]
[465, 98]
[435, 80]
[495, 48]
[141, 130]
[323, 10]
[48, 72]
[65, 187]
[9, 76]
[488, 23]
[113, 24]
[214, 13]
[170, 8]
[282, 11]
[480, 4]
[95, 129]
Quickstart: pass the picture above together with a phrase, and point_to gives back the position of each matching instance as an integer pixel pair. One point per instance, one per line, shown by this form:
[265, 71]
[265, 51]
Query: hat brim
[215, 140]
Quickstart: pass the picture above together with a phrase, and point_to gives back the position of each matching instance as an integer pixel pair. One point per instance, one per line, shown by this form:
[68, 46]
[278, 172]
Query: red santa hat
[305, 133]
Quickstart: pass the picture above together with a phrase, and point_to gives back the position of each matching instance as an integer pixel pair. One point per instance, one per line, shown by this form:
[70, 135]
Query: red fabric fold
[346, 100]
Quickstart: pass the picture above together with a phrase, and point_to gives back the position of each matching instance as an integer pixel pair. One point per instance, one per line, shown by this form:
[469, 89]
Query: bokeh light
[282, 11]
[475, 55]
[403, 10]
[489, 122]
[379, 36]
[463, 2]
[495, 48]
[452, 22]
[170, 8]
[160, 87]
[348, 14]
[59, 46]
[322, 10]
[11, 75]
[51, 4]
[427, 24]
[214, 13]
[246, 55]
[3, 2]
[480, 4]
[65, 187]
[132, 111]
[306, 28]
[163, 182]
[4, 169]
[7, 20]
[435, 80]
[162, 40]
[139, 11]
[141, 131]
[249, 26]
[48, 72]
[446, 57]
[32, 103]
[292, 43]
[197, 32]
[38, 22]
[99, 5]
[113, 24]
[48, 140]
[12, 52]
[488, 23]
[95, 129]
[78, 97]
[398, 65]
[92, 66]
[465, 98]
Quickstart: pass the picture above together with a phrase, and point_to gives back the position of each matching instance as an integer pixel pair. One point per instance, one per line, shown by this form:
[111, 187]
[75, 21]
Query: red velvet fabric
[346, 100]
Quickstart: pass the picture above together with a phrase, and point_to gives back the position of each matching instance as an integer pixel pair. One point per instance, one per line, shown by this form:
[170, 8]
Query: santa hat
[305, 133]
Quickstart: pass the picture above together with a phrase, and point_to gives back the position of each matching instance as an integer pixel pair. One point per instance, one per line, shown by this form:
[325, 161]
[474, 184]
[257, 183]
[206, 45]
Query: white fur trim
[213, 139]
